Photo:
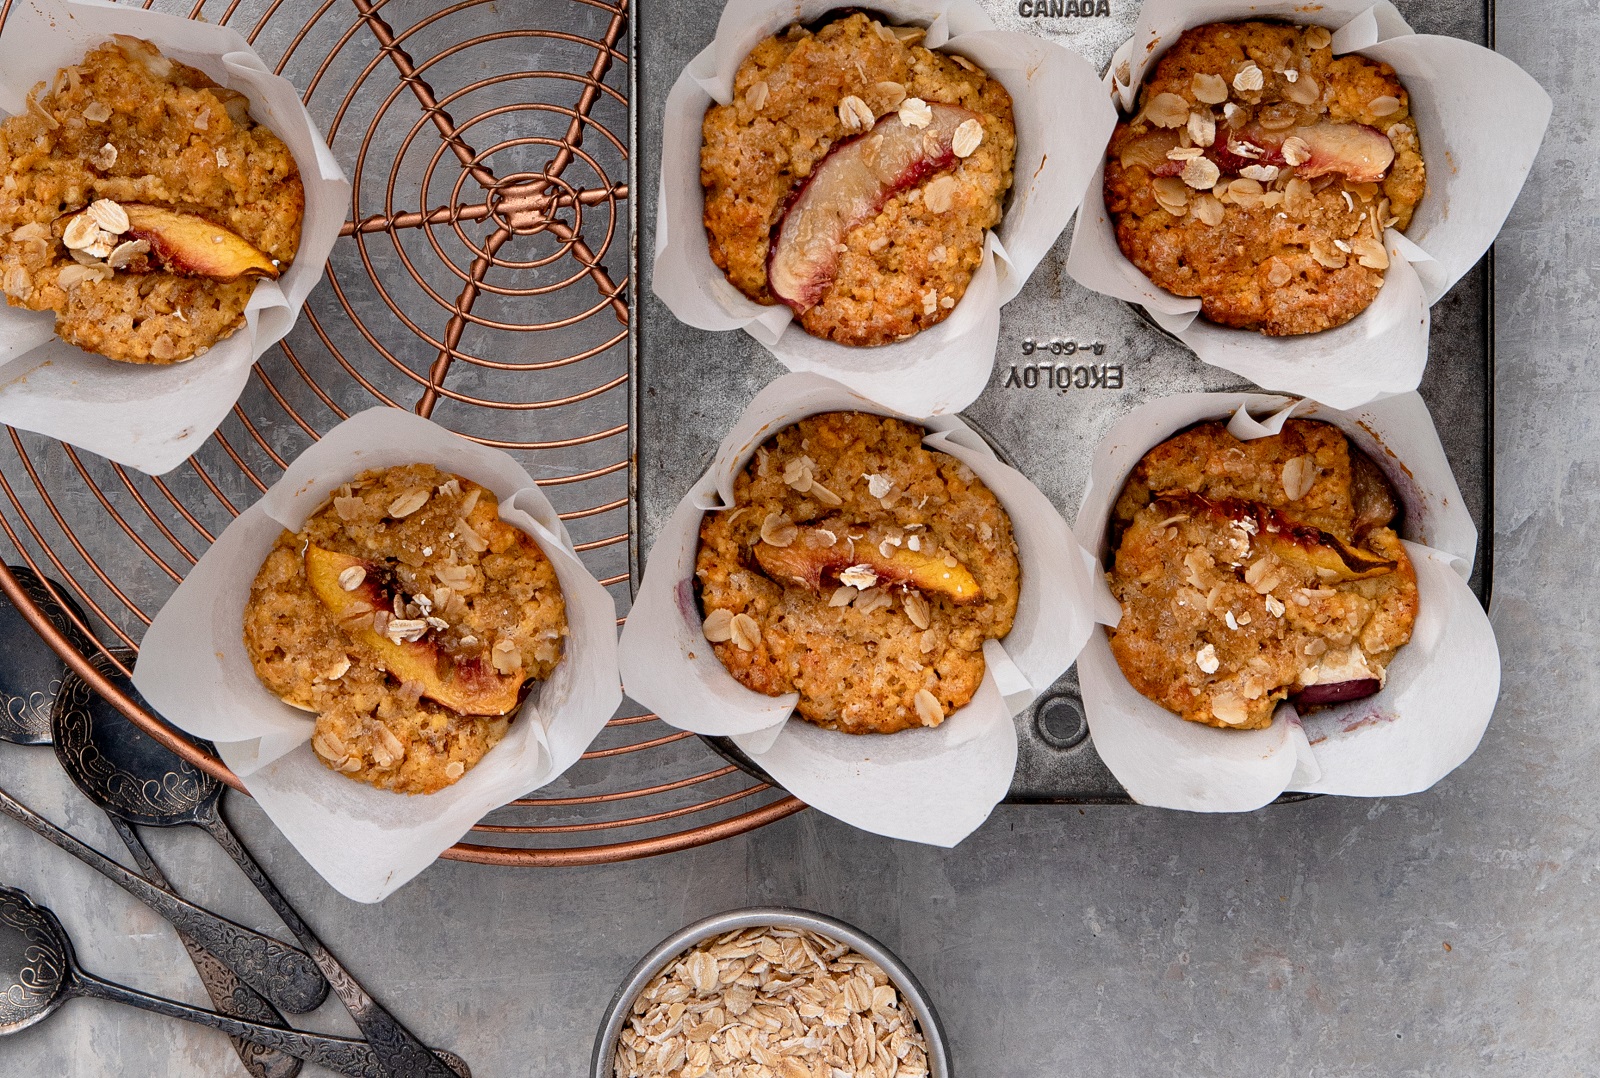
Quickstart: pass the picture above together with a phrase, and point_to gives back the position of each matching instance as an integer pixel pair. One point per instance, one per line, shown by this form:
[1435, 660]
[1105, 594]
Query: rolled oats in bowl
[770, 994]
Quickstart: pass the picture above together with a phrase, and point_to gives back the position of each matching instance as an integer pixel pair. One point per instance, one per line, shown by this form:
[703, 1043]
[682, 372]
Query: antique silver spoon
[39, 972]
[228, 993]
[33, 681]
[279, 972]
[133, 776]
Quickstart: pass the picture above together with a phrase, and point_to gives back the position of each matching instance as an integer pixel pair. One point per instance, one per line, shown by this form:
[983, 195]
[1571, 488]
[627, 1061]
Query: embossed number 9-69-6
[1058, 347]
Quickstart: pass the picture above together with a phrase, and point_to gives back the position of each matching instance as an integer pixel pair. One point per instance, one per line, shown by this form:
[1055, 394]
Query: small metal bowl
[605, 1044]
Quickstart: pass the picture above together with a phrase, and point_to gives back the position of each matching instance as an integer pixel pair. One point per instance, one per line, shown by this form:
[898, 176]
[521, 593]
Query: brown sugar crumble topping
[853, 177]
[1253, 572]
[410, 618]
[861, 570]
[1260, 173]
[140, 203]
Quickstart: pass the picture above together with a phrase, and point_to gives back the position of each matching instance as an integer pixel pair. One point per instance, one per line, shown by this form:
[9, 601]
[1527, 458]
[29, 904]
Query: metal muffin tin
[490, 275]
[1070, 363]
[605, 1043]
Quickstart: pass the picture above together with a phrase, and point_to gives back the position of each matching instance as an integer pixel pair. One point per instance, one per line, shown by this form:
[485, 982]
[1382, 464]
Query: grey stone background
[1440, 934]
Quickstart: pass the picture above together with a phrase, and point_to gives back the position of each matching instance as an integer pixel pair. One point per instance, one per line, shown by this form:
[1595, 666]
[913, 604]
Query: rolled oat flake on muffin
[872, 604]
[853, 177]
[1260, 174]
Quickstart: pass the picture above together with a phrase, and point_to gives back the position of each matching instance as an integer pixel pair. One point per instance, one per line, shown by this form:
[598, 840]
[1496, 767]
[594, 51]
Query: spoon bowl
[35, 960]
[120, 767]
[32, 674]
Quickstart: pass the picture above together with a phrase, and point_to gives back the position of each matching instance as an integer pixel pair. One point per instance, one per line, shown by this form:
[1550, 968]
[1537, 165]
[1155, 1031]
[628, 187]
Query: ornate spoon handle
[397, 1048]
[351, 1057]
[281, 973]
[229, 995]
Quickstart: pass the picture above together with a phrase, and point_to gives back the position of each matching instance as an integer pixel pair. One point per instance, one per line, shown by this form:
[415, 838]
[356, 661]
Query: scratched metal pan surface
[1070, 362]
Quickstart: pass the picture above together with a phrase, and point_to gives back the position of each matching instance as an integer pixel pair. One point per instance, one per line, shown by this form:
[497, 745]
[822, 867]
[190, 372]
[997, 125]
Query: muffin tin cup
[153, 417]
[1480, 119]
[602, 1064]
[928, 785]
[1062, 118]
[366, 842]
[1441, 687]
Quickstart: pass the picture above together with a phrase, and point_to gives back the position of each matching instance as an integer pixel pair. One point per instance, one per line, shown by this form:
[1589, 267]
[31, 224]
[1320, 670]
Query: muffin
[853, 177]
[141, 204]
[860, 570]
[1259, 175]
[1251, 572]
[410, 618]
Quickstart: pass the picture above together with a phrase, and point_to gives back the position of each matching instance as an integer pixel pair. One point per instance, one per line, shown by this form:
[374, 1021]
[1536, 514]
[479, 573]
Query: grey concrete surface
[1442, 934]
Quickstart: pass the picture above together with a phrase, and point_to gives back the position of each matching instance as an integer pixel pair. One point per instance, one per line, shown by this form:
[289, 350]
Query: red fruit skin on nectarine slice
[849, 185]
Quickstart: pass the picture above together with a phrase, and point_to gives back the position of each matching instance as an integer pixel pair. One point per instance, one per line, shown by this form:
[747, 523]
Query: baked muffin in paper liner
[1441, 686]
[930, 785]
[195, 671]
[154, 417]
[1062, 119]
[1480, 119]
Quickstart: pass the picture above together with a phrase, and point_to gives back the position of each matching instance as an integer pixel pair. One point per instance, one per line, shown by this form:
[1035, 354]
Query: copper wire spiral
[483, 279]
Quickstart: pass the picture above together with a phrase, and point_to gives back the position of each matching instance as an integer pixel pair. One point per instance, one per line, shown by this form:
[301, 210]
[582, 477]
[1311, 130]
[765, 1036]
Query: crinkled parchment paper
[147, 416]
[1480, 119]
[1062, 119]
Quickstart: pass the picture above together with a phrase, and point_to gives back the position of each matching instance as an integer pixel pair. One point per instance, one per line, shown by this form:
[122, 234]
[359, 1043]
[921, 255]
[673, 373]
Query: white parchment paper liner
[1480, 119]
[1062, 118]
[1441, 686]
[929, 785]
[145, 416]
[366, 842]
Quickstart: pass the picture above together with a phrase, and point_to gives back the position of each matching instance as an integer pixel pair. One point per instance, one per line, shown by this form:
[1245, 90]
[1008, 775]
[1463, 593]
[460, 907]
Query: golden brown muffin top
[128, 127]
[410, 618]
[1260, 172]
[802, 95]
[1250, 572]
[861, 570]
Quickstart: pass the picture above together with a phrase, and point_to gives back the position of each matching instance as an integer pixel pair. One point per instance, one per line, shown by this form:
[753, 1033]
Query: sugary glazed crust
[176, 140]
[1261, 248]
[1231, 598]
[443, 553]
[904, 269]
[883, 656]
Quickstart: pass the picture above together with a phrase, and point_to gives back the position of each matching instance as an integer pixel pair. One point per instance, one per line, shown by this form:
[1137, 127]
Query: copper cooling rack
[484, 279]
